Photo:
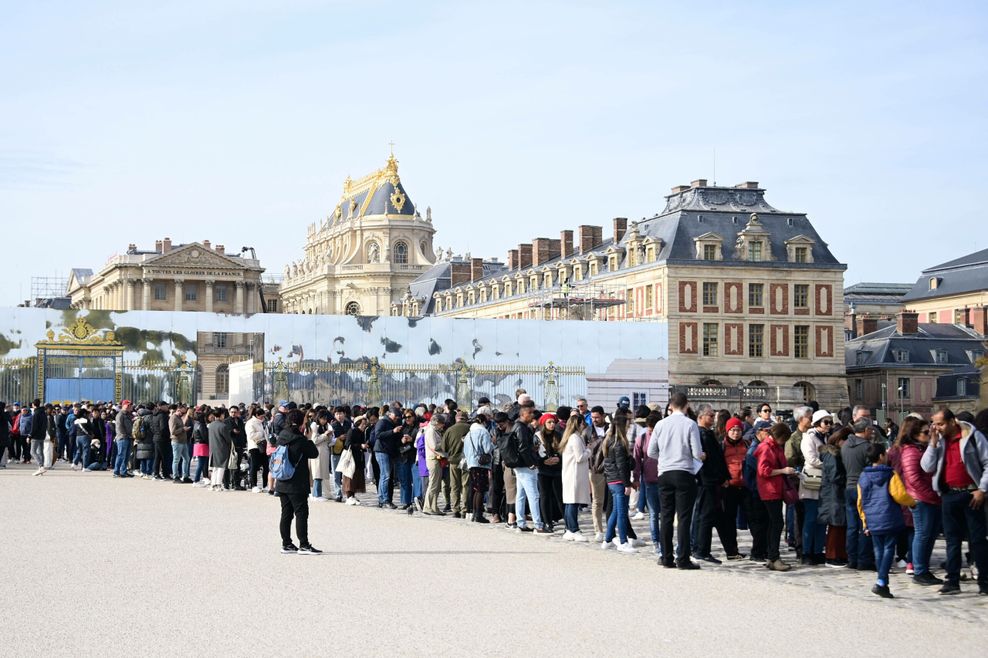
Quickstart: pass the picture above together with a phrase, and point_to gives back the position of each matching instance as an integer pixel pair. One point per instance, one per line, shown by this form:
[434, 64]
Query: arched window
[401, 253]
[422, 247]
[353, 308]
[373, 253]
[222, 380]
[808, 389]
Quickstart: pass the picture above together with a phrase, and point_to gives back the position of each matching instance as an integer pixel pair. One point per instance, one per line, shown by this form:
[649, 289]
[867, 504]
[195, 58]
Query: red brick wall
[688, 338]
[778, 298]
[778, 340]
[733, 339]
[824, 294]
[688, 291]
[824, 340]
[733, 297]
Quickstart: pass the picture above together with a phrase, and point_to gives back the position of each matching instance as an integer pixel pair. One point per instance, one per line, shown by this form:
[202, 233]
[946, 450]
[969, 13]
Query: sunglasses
[826, 422]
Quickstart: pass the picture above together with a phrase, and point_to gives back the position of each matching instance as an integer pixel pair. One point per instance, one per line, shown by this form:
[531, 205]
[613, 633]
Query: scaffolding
[48, 287]
[579, 301]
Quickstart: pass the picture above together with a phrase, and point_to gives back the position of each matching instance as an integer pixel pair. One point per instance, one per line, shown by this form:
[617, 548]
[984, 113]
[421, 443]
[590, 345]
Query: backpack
[507, 445]
[280, 465]
[139, 429]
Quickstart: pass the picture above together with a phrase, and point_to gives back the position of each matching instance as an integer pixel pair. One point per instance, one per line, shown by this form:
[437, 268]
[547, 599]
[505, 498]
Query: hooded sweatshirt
[300, 451]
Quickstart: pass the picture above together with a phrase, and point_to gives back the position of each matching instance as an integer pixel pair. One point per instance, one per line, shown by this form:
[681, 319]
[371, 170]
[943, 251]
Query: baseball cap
[124, 402]
[761, 425]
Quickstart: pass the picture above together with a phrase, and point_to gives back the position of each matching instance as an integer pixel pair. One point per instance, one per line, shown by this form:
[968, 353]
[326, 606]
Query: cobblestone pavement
[101, 566]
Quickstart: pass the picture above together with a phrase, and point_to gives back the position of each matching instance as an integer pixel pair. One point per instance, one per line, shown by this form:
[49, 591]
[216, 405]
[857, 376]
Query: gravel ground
[101, 566]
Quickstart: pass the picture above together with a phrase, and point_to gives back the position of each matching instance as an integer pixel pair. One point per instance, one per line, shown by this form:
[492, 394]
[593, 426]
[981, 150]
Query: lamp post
[740, 395]
[902, 402]
[885, 412]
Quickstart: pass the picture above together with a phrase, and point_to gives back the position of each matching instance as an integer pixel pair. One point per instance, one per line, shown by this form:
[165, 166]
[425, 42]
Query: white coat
[321, 466]
[576, 471]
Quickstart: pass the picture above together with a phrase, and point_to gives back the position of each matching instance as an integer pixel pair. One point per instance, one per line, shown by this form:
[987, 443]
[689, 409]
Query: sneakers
[568, 536]
[308, 549]
[687, 565]
[607, 545]
[523, 529]
[636, 543]
[927, 579]
[627, 548]
[598, 536]
[40, 471]
[909, 569]
[882, 591]
[317, 499]
[735, 558]
[578, 538]
[950, 588]
[638, 517]
[710, 558]
[289, 549]
[352, 501]
[901, 564]
[543, 532]
[836, 564]
[256, 490]
[777, 565]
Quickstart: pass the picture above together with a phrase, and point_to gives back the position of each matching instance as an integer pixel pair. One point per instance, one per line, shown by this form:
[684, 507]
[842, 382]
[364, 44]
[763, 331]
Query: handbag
[811, 478]
[790, 494]
[233, 463]
[346, 466]
[483, 458]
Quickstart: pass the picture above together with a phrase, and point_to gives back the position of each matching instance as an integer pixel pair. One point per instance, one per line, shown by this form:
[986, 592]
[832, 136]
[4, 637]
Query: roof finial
[392, 145]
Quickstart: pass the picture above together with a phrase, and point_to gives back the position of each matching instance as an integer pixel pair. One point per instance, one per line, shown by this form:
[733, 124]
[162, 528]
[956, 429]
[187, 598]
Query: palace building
[364, 256]
[751, 294]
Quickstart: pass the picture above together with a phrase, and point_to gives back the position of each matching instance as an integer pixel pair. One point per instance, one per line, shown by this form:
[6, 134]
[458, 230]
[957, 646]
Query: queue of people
[832, 487]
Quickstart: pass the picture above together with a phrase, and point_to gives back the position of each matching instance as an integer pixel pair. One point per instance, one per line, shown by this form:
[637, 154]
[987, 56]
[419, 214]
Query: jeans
[884, 554]
[334, 461]
[814, 534]
[81, 451]
[859, 551]
[528, 490]
[180, 460]
[384, 481]
[677, 496]
[571, 514]
[123, 454]
[38, 451]
[926, 518]
[405, 481]
[651, 496]
[147, 466]
[618, 516]
[957, 514]
[317, 488]
[202, 467]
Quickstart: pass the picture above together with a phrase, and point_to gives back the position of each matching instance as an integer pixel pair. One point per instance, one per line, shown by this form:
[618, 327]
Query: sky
[237, 121]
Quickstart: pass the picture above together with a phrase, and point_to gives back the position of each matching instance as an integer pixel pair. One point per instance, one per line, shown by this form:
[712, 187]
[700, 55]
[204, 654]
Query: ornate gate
[81, 363]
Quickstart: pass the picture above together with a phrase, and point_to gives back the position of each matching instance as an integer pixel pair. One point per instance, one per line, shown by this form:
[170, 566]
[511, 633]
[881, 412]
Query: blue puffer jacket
[880, 514]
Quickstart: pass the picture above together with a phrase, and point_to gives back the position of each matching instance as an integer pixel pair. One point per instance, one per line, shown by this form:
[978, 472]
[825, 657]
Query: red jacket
[734, 456]
[770, 456]
[918, 482]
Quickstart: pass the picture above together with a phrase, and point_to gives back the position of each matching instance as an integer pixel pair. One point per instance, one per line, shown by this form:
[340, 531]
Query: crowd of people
[837, 488]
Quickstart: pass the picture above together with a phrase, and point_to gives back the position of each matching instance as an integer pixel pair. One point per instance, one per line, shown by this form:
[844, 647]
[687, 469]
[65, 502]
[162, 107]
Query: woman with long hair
[550, 471]
[617, 475]
[200, 446]
[911, 443]
[356, 443]
[294, 491]
[321, 434]
[575, 475]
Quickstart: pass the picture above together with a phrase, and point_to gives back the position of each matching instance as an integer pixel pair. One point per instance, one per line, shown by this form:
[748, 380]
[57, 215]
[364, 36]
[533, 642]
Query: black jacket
[714, 472]
[159, 426]
[300, 451]
[385, 437]
[237, 432]
[526, 444]
[39, 424]
[617, 462]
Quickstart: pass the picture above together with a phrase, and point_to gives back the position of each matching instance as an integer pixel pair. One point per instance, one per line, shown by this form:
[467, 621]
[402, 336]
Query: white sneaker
[638, 517]
[598, 536]
[567, 536]
[317, 499]
[39, 471]
[627, 548]
[578, 538]
[901, 564]
[607, 545]
[256, 490]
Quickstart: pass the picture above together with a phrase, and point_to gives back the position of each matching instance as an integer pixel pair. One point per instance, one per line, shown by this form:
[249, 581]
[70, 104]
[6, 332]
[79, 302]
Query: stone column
[146, 298]
[179, 294]
[129, 290]
[249, 299]
[238, 304]
[209, 295]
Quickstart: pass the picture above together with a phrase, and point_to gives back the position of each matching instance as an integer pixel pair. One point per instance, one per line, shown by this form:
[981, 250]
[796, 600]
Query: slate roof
[878, 349]
[437, 278]
[876, 293]
[961, 275]
[947, 388]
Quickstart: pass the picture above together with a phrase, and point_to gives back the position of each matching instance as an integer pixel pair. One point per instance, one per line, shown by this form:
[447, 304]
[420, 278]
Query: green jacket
[452, 443]
[794, 451]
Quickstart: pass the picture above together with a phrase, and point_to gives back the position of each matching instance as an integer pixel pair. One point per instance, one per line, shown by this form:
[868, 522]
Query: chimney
[699, 182]
[476, 269]
[459, 273]
[679, 189]
[584, 236]
[620, 227]
[512, 260]
[157, 246]
[524, 256]
[747, 185]
[220, 249]
[907, 323]
[866, 325]
[566, 244]
[540, 251]
[166, 245]
[598, 235]
[555, 249]
[207, 244]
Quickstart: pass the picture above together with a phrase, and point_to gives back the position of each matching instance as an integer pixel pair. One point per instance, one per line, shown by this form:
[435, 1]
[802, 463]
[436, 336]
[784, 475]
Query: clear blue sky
[237, 121]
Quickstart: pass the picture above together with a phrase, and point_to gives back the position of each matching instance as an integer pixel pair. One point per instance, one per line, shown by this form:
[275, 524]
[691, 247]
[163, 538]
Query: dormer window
[507, 289]
[934, 282]
[861, 357]
[593, 267]
[901, 356]
[939, 356]
[612, 263]
[547, 280]
[709, 247]
[800, 249]
[753, 242]
[755, 251]
[578, 272]
[533, 282]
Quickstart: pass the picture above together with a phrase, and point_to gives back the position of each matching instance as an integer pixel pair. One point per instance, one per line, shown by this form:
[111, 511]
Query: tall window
[755, 294]
[401, 253]
[709, 252]
[710, 339]
[754, 251]
[858, 389]
[191, 292]
[221, 340]
[801, 295]
[961, 387]
[160, 293]
[756, 340]
[220, 293]
[709, 294]
[222, 380]
[649, 292]
[800, 254]
[638, 399]
[902, 390]
[801, 341]
[629, 296]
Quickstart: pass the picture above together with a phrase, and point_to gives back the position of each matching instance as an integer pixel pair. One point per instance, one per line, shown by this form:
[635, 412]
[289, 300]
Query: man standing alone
[675, 444]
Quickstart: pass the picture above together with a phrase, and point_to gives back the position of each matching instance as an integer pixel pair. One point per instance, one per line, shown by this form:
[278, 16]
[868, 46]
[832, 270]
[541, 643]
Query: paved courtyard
[102, 566]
